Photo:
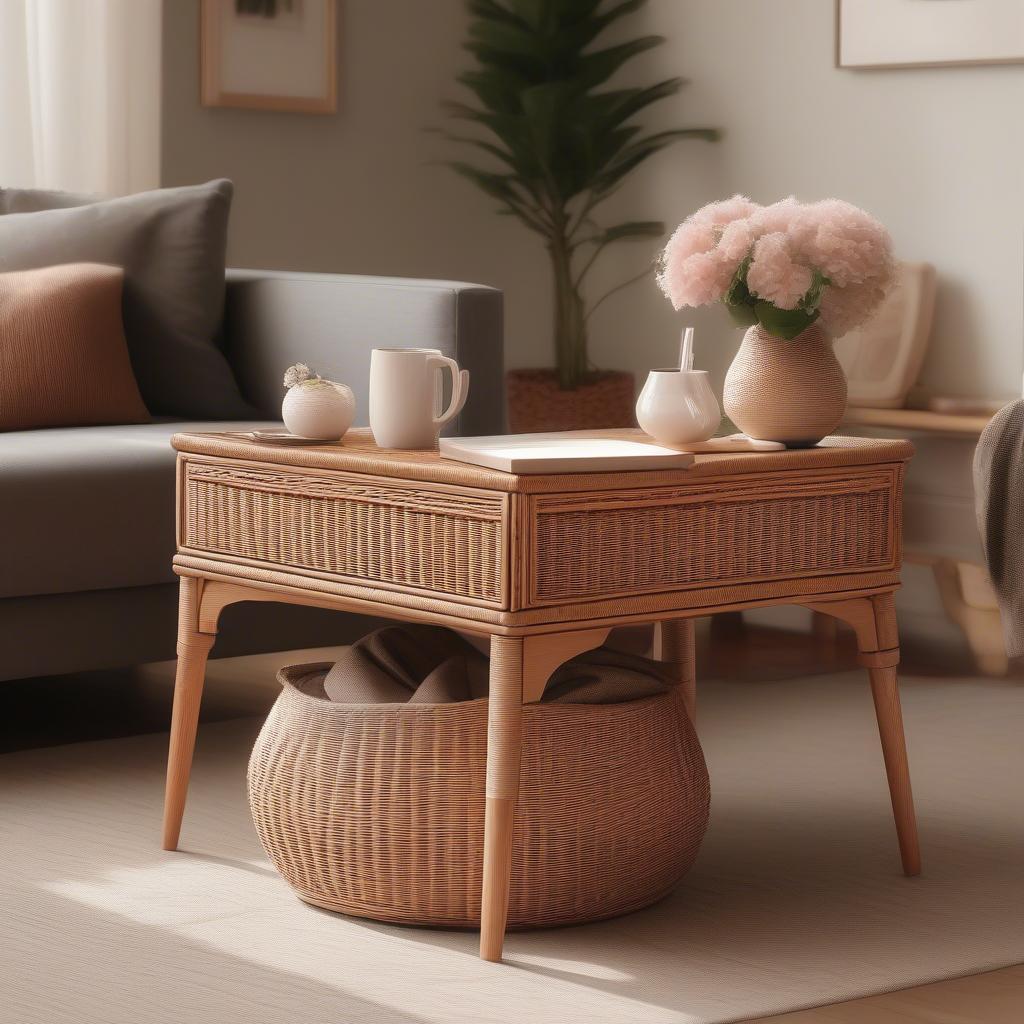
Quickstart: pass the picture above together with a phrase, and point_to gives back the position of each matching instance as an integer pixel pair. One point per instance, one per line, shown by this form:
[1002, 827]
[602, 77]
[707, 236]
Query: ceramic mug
[403, 396]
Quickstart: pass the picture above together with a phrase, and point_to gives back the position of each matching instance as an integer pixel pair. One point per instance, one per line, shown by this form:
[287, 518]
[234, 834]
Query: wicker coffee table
[543, 565]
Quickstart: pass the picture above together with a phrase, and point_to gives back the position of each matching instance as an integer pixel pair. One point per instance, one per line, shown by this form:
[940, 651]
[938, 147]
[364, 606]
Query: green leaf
[599, 66]
[812, 300]
[504, 36]
[738, 293]
[622, 104]
[583, 31]
[631, 229]
[742, 314]
[783, 323]
[496, 90]
[542, 110]
[490, 9]
[637, 152]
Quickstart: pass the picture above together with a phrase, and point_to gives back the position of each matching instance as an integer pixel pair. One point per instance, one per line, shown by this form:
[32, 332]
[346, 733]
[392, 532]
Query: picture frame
[276, 55]
[928, 33]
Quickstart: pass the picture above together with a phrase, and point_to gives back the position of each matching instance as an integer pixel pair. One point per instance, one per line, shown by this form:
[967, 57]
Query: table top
[357, 453]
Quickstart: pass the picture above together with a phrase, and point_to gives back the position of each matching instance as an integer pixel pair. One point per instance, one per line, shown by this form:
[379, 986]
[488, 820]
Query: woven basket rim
[289, 675]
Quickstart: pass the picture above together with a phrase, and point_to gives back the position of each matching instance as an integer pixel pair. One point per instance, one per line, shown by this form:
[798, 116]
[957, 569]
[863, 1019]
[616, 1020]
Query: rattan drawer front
[438, 540]
[626, 543]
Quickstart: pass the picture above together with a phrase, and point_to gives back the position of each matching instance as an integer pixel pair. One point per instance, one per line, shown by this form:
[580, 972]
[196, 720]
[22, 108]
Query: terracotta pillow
[63, 355]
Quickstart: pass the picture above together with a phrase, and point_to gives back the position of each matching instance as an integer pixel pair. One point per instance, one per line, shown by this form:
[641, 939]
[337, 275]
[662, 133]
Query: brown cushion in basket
[431, 665]
[63, 356]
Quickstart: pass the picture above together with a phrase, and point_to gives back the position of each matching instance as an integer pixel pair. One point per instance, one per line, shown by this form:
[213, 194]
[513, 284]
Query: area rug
[796, 899]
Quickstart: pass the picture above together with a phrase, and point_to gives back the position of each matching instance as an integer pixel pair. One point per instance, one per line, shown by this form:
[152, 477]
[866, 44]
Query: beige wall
[354, 192]
[937, 154]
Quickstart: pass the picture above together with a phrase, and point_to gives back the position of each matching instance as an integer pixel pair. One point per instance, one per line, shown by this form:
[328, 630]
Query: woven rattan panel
[620, 544]
[439, 540]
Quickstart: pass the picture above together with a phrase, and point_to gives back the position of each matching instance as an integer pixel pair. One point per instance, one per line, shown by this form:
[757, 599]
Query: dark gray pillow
[172, 245]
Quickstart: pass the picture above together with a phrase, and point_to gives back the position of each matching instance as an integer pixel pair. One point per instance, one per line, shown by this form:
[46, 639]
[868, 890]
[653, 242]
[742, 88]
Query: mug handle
[460, 388]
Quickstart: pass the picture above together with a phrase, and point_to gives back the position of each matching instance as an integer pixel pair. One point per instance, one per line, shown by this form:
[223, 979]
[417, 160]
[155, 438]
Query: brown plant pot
[536, 404]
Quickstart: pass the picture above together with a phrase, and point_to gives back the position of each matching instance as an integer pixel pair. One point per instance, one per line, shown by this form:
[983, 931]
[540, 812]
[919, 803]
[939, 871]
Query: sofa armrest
[333, 321]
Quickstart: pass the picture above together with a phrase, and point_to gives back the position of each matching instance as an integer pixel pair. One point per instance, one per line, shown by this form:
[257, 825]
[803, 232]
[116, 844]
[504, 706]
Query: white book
[566, 452]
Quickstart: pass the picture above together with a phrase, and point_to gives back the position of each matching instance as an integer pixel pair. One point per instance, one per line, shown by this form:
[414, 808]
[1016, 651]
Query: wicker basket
[377, 810]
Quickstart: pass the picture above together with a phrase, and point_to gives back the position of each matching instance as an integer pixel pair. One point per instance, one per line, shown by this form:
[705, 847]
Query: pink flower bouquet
[784, 266]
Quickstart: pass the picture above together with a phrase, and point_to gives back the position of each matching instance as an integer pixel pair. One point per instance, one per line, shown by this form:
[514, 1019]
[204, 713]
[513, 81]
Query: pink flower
[736, 241]
[716, 232]
[848, 245]
[724, 212]
[690, 238]
[779, 216]
[788, 242]
[698, 280]
[774, 275]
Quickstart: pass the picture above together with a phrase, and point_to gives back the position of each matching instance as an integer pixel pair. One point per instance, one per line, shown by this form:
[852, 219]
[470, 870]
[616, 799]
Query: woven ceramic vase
[788, 391]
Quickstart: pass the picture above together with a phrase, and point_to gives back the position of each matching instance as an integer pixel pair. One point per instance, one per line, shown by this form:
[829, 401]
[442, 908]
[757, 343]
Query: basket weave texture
[377, 810]
[790, 391]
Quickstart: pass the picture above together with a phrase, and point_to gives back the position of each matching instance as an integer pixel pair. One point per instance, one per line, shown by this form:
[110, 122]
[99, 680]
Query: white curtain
[80, 94]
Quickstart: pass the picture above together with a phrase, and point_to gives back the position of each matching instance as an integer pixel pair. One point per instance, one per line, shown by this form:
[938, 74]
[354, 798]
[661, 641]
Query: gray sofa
[87, 514]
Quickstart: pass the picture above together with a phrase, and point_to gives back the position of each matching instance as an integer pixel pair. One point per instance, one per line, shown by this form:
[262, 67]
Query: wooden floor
[993, 998]
[108, 704]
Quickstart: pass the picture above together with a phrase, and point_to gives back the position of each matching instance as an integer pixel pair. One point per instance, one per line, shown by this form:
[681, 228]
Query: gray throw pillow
[172, 245]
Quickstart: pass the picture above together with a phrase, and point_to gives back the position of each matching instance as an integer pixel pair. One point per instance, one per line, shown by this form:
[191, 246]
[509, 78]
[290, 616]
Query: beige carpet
[796, 898]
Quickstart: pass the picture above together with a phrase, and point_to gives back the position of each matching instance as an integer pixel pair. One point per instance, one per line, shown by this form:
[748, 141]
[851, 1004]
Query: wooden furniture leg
[679, 649]
[970, 602]
[881, 668]
[504, 737]
[193, 650]
[874, 621]
[520, 669]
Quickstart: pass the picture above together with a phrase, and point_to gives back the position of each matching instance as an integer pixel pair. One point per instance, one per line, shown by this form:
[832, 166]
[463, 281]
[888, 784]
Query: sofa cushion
[89, 508]
[63, 357]
[171, 244]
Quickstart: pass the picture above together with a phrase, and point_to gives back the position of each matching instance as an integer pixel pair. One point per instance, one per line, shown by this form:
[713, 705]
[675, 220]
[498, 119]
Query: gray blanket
[430, 665]
[999, 498]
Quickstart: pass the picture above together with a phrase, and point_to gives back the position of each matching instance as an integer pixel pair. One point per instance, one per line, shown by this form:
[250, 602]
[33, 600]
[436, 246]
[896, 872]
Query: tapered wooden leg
[874, 621]
[885, 693]
[679, 649]
[193, 650]
[504, 739]
[890, 729]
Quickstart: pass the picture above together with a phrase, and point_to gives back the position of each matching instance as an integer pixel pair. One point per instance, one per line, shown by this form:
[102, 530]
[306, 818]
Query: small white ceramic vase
[324, 410]
[678, 407]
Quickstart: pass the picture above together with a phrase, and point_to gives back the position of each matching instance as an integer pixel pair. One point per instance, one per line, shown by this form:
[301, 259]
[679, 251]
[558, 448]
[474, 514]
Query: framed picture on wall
[928, 33]
[269, 55]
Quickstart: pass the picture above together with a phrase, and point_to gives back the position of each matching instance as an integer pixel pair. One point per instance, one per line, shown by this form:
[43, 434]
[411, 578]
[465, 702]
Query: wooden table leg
[504, 738]
[874, 621]
[885, 693]
[679, 648]
[193, 650]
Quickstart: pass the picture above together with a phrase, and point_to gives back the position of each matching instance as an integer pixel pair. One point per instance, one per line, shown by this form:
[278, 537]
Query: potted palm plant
[557, 143]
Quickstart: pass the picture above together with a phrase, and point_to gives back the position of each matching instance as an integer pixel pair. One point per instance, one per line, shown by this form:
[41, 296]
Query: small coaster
[283, 437]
